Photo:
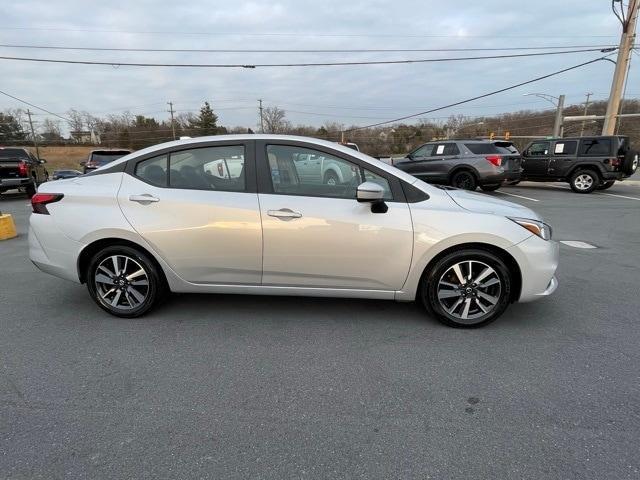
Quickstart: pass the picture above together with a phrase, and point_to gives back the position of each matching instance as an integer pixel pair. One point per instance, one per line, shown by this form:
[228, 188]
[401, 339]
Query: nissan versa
[284, 215]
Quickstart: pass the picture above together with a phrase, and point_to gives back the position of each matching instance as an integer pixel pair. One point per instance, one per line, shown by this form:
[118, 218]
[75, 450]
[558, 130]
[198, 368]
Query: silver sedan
[284, 215]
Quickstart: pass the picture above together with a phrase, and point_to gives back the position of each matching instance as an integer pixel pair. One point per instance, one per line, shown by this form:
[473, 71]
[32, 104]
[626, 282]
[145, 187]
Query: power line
[297, 34]
[34, 106]
[311, 50]
[558, 72]
[310, 64]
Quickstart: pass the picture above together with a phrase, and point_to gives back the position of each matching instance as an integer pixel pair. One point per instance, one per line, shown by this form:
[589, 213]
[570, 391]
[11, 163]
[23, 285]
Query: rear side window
[481, 148]
[595, 147]
[153, 170]
[565, 148]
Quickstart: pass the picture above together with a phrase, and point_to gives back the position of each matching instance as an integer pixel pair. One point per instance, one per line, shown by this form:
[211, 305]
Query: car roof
[261, 136]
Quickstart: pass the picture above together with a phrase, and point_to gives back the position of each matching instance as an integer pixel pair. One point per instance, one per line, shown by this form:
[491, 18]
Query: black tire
[490, 188]
[630, 162]
[465, 180]
[442, 271]
[330, 178]
[125, 304]
[605, 185]
[584, 181]
[31, 190]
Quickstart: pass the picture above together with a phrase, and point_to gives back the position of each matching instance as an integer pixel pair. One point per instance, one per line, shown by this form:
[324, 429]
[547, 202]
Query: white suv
[161, 220]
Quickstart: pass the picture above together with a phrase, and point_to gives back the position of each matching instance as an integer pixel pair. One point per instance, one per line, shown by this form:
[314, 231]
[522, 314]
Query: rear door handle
[285, 214]
[143, 198]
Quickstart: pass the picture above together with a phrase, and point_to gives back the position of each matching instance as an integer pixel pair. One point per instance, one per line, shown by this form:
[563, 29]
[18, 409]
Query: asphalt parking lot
[259, 387]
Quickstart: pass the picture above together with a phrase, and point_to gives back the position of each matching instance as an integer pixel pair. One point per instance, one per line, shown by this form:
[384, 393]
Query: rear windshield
[6, 153]
[481, 148]
[505, 147]
[103, 158]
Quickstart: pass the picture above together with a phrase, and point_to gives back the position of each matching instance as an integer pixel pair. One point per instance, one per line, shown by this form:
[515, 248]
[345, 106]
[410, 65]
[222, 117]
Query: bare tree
[51, 130]
[76, 120]
[275, 120]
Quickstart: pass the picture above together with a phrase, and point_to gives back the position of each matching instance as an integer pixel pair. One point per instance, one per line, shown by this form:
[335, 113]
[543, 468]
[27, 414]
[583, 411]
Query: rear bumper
[60, 256]
[8, 183]
[538, 261]
[508, 176]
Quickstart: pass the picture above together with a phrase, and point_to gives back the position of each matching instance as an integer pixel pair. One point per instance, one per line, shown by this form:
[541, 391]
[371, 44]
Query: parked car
[133, 230]
[20, 169]
[61, 174]
[100, 158]
[463, 164]
[587, 163]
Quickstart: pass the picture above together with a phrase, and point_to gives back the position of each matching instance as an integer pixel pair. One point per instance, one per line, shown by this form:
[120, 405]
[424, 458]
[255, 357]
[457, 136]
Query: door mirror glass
[370, 192]
[43, 161]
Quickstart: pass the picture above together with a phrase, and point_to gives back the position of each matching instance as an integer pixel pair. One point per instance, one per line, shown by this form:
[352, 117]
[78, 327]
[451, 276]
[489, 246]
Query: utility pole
[261, 116]
[173, 125]
[33, 134]
[558, 129]
[586, 109]
[627, 39]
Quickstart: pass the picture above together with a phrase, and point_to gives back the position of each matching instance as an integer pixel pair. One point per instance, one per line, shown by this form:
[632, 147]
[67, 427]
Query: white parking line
[577, 244]
[519, 196]
[619, 196]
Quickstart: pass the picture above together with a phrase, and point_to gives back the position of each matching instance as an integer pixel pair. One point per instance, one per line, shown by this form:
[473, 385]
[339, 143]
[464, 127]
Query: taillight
[23, 169]
[40, 201]
[616, 162]
[494, 159]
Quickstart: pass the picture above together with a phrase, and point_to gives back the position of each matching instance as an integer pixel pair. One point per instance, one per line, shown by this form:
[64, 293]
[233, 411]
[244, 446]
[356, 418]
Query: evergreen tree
[205, 123]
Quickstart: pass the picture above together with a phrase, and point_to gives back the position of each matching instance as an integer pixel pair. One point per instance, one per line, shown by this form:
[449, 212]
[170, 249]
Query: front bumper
[538, 261]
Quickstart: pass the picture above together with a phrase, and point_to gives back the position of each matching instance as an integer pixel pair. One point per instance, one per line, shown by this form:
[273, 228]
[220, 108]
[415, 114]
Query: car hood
[480, 203]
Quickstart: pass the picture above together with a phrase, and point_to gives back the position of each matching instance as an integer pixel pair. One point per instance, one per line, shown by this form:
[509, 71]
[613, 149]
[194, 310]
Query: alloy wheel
[583, 182]
[121, 282]
[469, 290]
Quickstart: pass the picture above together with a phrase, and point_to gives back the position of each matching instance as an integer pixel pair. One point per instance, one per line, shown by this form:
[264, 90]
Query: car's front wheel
[467, 288]
[124, 281]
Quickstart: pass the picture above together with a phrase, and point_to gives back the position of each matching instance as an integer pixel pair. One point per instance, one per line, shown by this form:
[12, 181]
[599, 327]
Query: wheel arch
[507, 258]
[92, 248]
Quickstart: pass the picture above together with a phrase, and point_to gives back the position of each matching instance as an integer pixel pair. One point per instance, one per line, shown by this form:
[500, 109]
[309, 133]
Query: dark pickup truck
[20, 169]
[586, 163]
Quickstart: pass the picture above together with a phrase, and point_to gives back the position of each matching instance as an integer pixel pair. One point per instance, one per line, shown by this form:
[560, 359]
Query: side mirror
[43, 160]
[369, 192]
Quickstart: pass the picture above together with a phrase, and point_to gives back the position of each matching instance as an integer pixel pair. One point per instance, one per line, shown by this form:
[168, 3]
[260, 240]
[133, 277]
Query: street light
[557, 102]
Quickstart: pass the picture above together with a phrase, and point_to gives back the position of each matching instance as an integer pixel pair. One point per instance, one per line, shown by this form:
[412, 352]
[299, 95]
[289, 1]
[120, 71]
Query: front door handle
[285, 214]
[143, 198]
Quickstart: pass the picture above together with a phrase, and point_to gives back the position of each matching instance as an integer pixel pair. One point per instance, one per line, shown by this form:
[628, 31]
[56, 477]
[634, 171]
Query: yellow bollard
[7, 227]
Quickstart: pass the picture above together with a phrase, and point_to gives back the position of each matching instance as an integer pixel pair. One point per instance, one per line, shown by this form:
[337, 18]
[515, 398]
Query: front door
[535, 161]
[316, 234]
[207, 228]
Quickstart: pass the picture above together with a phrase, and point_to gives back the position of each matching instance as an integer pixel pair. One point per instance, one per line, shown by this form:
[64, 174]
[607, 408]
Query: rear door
[564, 157]
[319, 235]
[536, 157]
[206, 228]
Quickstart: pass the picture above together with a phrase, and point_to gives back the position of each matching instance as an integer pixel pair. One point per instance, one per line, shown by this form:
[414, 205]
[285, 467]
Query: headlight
[536, 227]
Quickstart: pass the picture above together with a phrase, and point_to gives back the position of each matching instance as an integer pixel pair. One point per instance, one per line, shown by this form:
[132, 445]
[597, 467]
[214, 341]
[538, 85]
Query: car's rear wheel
[490, 188]
[605, 185]
[31, 189]
[124, 281]
[584, 181]
[467, 288]
[464, 179]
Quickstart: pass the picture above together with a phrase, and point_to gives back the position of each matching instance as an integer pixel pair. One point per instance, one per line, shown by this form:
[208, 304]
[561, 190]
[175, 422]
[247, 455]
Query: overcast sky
[313, 95]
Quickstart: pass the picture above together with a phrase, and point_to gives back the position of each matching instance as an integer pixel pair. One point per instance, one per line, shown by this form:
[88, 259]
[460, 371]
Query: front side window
[595, 146]
[538, 149]
[424, 151]
[308, 172]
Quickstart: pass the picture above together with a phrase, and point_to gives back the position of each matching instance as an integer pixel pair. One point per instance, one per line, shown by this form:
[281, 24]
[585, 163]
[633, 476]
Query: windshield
[12, 153]
[102, 158]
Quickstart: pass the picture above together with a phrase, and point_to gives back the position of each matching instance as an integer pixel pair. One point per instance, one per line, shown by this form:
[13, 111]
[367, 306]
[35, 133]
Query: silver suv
[464, 164]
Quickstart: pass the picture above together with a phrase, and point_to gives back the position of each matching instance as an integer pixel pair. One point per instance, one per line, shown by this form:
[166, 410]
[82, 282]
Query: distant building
[85, 136]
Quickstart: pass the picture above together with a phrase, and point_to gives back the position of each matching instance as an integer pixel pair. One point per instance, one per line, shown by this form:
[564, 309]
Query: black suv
[586, 163]
[20, 169]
